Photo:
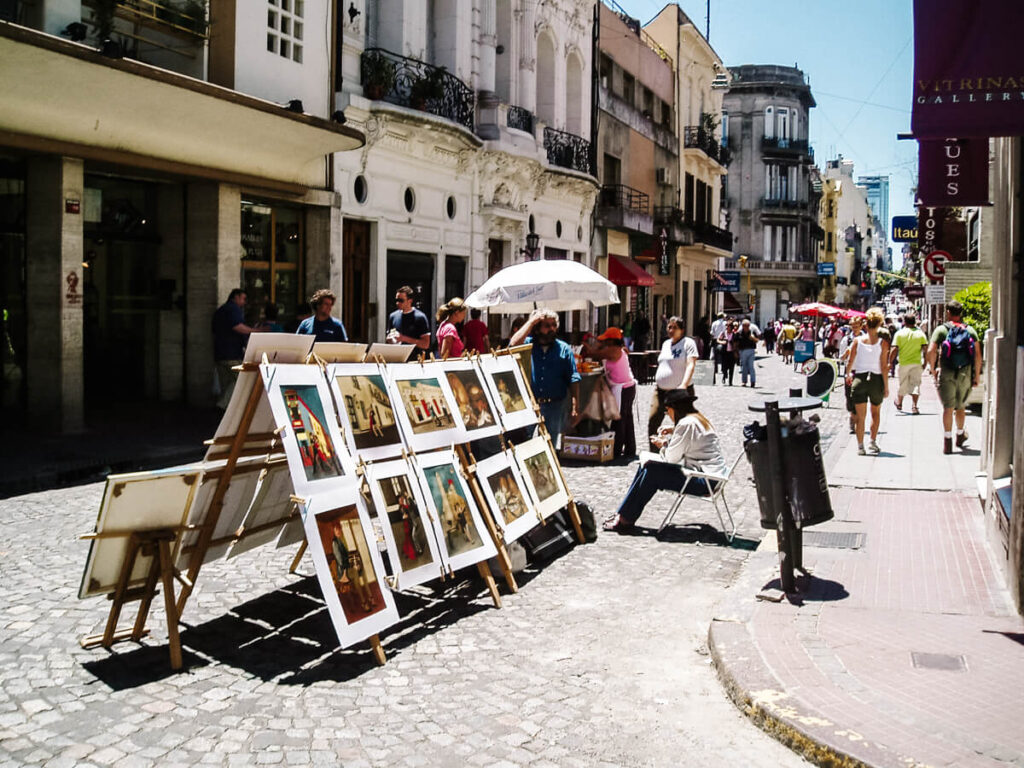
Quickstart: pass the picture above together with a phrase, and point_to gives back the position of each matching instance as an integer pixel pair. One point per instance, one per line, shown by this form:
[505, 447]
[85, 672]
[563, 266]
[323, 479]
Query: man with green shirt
[907, 345]
[955, 359]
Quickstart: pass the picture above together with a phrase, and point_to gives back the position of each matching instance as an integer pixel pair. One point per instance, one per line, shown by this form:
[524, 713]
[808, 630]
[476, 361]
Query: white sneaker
[873, 448]
[861, 451]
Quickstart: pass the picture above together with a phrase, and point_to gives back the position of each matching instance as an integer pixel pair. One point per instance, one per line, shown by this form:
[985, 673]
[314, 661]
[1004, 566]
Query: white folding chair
[718, 494]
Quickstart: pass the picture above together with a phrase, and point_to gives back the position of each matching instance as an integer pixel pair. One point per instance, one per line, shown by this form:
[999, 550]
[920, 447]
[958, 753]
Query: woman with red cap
[612, 350]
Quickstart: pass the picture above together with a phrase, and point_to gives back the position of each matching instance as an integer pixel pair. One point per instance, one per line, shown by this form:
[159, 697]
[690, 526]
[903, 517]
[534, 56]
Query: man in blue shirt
[321, 324]
[229, 332]
[407, 325]
[553, 374]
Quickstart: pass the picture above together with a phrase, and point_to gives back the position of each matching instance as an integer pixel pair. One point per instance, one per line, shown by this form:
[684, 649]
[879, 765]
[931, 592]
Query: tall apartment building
[863, 241]
[772, 206]
[700, 79]
[152, 158]
[877, 191]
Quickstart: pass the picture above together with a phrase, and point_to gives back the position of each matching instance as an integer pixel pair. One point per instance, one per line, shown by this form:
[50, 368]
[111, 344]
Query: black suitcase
[550, 540]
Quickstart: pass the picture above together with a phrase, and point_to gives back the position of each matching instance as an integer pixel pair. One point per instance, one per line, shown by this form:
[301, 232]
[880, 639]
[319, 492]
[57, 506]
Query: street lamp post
[532, 249]
[742, 261]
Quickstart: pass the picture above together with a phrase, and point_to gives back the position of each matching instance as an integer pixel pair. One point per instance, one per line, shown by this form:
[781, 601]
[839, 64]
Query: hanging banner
[940, 229]
[967, 76]
[953, 171]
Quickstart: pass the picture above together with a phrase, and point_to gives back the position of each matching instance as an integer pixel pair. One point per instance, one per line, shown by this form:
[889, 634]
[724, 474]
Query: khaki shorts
[868, 387]
[910, 380]
[955, 386]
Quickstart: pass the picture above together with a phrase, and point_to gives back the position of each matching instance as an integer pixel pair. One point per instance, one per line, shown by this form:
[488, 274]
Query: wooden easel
[469, 468]
[157, 545]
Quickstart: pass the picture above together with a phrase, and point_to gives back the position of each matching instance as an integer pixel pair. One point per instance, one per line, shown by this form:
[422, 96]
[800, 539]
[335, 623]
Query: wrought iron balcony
[188, 17]
[413, 83]
[783, 205]
[566, 150]
[708, 234]
[673, 221]
[775, 268]
[777, 145]
[520, 119]
[697, 137]
[627, 198]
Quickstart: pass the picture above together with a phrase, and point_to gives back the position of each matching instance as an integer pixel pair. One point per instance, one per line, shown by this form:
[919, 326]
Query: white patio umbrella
[560, 285]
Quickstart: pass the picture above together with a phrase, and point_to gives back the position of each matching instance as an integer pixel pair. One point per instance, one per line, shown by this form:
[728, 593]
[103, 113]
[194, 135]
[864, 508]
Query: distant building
[772, 206]
[835, 289]
[855, 217]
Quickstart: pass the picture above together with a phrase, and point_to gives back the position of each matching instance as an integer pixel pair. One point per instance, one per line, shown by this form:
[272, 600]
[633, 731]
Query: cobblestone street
[600, 660]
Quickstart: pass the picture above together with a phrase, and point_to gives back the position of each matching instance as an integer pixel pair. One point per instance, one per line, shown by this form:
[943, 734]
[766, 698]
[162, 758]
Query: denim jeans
[747, 366]
[652, 477]
[554, 418]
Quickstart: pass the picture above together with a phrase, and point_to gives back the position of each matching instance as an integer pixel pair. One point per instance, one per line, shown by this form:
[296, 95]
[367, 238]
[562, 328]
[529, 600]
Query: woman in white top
[692, 444]
[867, 376]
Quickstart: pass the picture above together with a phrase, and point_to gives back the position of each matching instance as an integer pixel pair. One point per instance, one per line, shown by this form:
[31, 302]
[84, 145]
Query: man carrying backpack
[954, 356]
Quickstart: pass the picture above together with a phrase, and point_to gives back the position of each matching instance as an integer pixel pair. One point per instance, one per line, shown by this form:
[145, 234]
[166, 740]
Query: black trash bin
[804, 482]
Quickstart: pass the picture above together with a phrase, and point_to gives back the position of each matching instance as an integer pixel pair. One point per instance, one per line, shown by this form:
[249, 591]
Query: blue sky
[859, 57]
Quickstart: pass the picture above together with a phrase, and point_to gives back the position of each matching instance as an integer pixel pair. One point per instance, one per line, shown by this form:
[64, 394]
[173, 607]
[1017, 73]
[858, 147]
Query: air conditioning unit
[664, 176]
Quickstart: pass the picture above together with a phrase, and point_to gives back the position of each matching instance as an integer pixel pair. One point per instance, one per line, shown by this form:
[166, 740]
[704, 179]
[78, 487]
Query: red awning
[623, 271]
[730, 303]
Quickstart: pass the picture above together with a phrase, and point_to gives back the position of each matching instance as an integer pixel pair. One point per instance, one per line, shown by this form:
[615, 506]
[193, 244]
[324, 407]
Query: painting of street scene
[471, 399]
[543, 476]
[508, 495]
[370, 415]
[425, 405]
[512, 399]
[405, 519]
[348, 558]
[309, 429]
[460, 532]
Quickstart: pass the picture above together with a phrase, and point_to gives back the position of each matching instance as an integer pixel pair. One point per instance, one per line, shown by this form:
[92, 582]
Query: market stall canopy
[559, 285]
[816, 309]
[851, 313]
[623, 271]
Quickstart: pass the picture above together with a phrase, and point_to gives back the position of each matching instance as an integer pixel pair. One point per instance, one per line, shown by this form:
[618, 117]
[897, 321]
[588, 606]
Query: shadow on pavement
[811, 589]
[1017, 637]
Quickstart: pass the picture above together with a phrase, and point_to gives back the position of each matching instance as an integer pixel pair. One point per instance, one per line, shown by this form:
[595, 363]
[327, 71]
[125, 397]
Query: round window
[410, 199]
[531, 224]
[558, 229]
[450, 206]
[359, 188]
[579, 233]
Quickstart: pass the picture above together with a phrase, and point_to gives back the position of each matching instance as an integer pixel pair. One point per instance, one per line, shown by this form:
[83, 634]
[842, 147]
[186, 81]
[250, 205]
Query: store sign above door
[725, 281]
[967, 75]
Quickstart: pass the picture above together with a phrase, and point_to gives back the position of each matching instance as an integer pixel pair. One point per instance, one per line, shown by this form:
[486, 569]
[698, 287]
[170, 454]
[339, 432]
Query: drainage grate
[834, 539]
[946, 662]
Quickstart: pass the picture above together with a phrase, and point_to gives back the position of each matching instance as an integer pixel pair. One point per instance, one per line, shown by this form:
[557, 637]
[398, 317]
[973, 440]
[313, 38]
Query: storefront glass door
[272, 239]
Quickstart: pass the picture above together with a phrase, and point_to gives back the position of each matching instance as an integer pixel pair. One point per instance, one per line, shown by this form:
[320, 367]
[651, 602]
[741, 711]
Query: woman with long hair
[867, 375]
[691, 444]
[450, 314]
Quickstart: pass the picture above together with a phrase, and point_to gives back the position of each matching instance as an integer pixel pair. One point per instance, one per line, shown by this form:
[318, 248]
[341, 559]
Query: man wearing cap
[620, 377]
[676, 365]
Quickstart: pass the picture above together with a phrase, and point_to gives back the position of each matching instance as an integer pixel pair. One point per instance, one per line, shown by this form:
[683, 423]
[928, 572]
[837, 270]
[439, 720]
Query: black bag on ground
[548, 541]
[588, 523]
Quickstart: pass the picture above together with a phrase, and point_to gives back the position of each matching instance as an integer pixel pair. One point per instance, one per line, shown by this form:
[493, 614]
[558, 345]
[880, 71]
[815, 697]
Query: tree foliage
[977, 303]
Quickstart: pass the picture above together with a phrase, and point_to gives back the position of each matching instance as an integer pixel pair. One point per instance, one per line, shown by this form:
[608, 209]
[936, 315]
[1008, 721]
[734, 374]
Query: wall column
[53, 283]
[527, 57]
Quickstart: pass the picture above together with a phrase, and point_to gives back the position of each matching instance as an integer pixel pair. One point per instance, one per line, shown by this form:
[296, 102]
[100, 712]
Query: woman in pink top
[612, 351]
[449, 344]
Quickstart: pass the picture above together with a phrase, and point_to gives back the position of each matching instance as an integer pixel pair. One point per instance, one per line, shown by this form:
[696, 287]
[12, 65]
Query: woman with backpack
[954, 356]
[868, 379]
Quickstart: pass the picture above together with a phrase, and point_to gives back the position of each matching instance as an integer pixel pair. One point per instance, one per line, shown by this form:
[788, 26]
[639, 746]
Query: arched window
[546, 79]
[574, 94]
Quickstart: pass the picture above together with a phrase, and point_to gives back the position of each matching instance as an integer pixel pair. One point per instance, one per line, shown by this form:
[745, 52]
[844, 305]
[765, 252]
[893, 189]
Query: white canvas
[511, 504]
[340, 351]
[140, 501]
[358, 599]
[475, 410]
[304, 412]
[390, 353]
[411, 531]
[278, 347]
[366, 410]
[509, 391]
[539, 469]
[424, 405]
[267, 515]
[262, 422]
[463, 533]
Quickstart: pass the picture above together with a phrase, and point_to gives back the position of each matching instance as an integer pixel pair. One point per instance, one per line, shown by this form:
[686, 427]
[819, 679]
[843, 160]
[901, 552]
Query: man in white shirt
[717, 329]
[676, 365]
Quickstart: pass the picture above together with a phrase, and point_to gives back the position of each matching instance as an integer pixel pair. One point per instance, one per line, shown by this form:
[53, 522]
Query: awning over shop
[64, 97]
[623, 271]
[730, 304]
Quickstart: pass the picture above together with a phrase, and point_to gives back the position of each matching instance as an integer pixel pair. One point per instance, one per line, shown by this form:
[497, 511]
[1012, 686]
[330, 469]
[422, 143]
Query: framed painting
[540, 471]
[140, 501]
[410, 532]
[463, 534]
[474, 408]
[304, 413]
[348, 566]
[511, 505]
[509, 391]
[424, 405]
[366, 411]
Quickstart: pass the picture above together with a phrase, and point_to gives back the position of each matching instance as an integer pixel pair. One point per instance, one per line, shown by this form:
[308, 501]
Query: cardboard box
[600, 448]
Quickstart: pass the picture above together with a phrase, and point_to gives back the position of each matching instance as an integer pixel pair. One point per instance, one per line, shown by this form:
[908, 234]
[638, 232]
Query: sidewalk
[904, 648]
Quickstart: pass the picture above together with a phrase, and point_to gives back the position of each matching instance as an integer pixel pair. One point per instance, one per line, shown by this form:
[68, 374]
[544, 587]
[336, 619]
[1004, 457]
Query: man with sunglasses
[407, 325]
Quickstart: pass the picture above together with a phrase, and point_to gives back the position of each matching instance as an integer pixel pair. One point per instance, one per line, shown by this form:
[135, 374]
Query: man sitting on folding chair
[691, 444]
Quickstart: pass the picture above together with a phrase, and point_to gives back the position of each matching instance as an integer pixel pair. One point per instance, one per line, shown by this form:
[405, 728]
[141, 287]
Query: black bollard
[786, 530]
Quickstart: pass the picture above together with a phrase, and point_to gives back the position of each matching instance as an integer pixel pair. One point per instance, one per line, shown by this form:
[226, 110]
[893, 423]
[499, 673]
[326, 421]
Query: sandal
[615, 523]
[915, 411]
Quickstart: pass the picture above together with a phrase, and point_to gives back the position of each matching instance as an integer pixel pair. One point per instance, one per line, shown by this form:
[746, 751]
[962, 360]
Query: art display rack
[159, 543]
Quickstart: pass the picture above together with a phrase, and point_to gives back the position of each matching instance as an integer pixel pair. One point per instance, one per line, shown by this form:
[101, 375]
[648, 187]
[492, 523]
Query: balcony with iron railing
[776, 145]
[714, 237]
[779, 269]
[698, 137]
[519, 118]
[567, 150]
[412, 83]
[783, 205]
[673, 221]
[622, 207]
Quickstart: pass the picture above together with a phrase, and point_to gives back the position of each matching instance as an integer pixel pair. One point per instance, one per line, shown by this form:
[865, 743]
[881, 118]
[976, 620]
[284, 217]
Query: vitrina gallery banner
[968, 81]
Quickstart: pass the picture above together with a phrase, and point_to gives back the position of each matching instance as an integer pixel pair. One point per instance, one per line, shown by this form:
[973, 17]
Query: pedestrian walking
[788, 341]
[476, 332]
[868, 379]
[729, 353]
[320, 324]
[717, 329]
[449, 315]
[229, 336]
[954, 356]
[677, 362]
[855, 329]
[641, 332]
[769, 337]
[611, 349]
[746, 344]
[553, 375]
[908, 345]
